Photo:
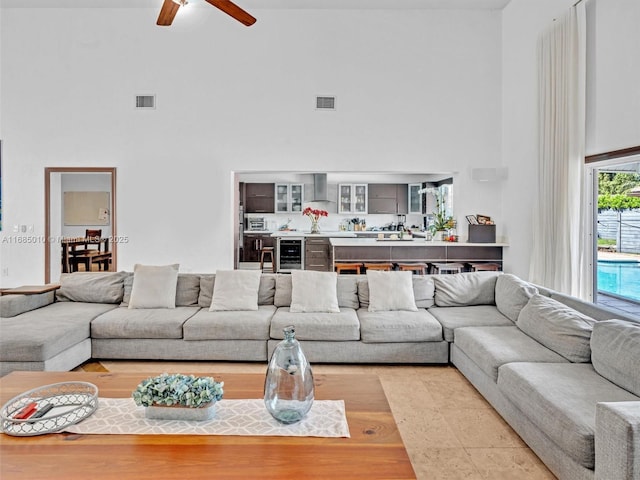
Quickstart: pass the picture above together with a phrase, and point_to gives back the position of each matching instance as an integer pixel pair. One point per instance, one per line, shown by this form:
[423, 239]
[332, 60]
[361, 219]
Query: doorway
[616, 219]
[78, 199]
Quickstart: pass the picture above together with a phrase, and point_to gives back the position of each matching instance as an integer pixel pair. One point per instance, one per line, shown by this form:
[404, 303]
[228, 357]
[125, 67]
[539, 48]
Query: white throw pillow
[235, 290]
[391, 291]
[154, 286]
[314, 292]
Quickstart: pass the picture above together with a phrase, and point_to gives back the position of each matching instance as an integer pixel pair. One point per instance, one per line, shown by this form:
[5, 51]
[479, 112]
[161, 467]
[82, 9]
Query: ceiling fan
[170, 8]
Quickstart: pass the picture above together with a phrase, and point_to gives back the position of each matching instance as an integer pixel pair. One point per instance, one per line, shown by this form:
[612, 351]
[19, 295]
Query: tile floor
[449, 430]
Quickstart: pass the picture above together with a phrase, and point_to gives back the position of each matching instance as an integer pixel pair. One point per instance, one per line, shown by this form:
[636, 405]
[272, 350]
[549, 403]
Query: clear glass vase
[315, 226]
[288, 387]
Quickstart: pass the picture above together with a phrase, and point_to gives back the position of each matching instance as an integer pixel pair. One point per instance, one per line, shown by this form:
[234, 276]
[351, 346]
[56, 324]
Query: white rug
[233, 417]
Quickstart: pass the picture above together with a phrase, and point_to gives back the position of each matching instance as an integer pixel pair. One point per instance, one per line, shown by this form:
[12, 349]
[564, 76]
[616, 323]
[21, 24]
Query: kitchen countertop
[416, 242]
[302, 233]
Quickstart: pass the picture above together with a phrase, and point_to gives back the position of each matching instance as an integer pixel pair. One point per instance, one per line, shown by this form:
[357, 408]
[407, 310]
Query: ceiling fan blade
[167, 13]
[232, 9]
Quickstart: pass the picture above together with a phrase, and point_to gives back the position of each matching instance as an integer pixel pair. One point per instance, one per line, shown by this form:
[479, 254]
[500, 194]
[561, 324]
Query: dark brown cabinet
[317, 254]
[388, 198]
[259, 197]
[253, 243]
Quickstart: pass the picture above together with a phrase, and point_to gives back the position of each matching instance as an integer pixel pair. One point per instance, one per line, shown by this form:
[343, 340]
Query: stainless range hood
[320, 189]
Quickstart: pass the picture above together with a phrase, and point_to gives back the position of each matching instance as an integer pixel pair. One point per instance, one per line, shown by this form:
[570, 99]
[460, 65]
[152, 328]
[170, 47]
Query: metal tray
[72, 402]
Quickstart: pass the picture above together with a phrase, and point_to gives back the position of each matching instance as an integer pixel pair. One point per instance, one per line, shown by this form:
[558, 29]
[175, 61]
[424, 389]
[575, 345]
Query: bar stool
[443, 268]
[348, 267]
[386, 267]
[267, 251]
[417, 268]
[478, 267]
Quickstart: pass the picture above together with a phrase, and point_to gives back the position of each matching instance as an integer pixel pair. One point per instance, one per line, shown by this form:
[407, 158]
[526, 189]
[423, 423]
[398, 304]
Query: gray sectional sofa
[562, 372]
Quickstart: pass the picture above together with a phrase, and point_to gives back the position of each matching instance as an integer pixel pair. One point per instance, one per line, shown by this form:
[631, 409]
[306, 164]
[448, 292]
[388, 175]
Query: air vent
[145, 102]
[326, 103]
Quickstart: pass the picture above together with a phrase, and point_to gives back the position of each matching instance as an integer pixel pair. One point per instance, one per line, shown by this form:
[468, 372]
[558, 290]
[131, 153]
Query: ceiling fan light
[182, 3]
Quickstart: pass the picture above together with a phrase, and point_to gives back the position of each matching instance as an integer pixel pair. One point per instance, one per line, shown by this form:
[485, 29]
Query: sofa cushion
[390, 291]
[615, 353]
[123, 322]
[187, 290]
[40, 334]
[398, 326]
[266, 291]
[91, 287]
[512, 294]
[558, 327]
[230, 325]
[463, 289]
[328, 327]
[235, 290]
[154, 286]
[313, 291]
[12, 305]
[561, 398]
[346, 290]
[423, 290]
[452, 318]
[597, 312]
[492, 347]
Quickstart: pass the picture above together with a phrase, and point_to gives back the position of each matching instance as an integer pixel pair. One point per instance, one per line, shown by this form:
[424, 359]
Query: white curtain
[561, 251]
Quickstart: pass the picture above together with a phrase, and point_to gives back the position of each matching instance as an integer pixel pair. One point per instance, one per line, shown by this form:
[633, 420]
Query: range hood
[320, 189]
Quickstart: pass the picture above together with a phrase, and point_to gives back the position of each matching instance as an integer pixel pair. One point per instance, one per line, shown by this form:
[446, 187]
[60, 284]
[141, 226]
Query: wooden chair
[267, 252]
[90, 253]
[479, 267]
[348, 267]
[444, 268]
[417, 268]
[384, 266]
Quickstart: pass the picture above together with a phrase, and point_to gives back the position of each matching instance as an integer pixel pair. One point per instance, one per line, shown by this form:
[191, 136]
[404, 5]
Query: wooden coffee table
[375, 449]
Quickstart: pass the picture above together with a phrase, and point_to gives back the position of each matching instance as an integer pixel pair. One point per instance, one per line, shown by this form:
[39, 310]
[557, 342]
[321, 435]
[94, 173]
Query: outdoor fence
[623, 227]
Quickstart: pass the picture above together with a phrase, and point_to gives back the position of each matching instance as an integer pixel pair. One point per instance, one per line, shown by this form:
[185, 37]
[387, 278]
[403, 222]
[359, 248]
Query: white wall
[416, 91]
[613, 81]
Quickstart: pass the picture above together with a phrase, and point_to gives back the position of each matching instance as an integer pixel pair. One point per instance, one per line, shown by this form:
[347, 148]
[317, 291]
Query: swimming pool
[619, 277]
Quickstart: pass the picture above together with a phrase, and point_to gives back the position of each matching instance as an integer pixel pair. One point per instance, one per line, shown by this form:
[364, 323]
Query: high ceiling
[270, 4]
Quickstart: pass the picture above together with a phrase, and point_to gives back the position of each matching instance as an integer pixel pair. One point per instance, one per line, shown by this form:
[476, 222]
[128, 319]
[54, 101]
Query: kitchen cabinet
[415, 198]
[253, 243]
[259, 198]
[317, 254]
[289, 197]
[352, 198]
[388, 198]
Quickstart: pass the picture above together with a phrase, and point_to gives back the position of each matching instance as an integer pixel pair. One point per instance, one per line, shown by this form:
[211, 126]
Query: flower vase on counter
[315, 215]
[288, 387]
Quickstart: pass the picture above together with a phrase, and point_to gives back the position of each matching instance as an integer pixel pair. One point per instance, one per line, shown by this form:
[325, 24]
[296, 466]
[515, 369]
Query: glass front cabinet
[415, 198]
[289, 197]
[352, 198]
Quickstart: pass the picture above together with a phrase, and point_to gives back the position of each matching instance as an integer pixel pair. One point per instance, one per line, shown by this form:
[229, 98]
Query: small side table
[30, 289]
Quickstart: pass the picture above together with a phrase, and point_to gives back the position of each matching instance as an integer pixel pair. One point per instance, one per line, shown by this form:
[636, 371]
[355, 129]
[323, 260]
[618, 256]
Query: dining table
[70, 250]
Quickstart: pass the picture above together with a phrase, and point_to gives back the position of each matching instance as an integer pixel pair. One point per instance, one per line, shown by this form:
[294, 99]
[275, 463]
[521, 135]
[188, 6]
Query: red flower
[315, 214]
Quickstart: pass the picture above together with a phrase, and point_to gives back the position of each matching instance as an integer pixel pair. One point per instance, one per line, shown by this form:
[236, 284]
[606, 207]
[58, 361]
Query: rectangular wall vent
[326, 103]
[145, 102]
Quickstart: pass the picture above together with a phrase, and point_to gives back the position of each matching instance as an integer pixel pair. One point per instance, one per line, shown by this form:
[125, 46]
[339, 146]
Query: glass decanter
[288, 387]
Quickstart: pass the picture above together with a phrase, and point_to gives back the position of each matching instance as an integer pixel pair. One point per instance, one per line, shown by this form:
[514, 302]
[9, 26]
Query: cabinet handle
[316, 251]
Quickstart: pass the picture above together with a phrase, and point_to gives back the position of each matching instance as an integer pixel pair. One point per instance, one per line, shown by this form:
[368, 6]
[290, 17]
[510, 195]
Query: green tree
[617, 183]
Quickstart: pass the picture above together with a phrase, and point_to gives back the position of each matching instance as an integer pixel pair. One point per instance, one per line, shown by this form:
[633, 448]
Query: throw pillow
[615, 353]
[235, 290]
[391, 291]
[558, 327]
[313, 291]
[512, 294]
[154, 286]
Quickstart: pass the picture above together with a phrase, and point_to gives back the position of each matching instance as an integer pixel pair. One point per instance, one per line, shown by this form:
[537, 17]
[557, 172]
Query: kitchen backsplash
[298, 221]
